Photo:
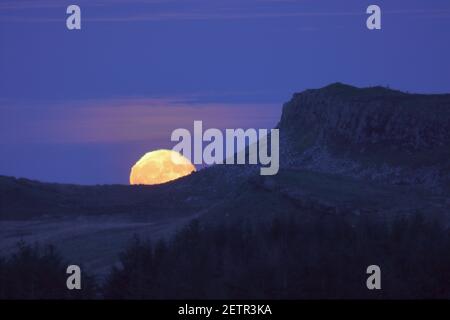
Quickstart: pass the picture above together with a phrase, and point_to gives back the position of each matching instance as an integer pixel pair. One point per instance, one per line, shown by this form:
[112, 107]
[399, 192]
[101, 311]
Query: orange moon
[160, 166]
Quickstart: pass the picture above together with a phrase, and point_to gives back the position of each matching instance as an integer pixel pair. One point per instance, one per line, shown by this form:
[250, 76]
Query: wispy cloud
[216, 16]
[125, 119]
[42, 4]
[167, 10]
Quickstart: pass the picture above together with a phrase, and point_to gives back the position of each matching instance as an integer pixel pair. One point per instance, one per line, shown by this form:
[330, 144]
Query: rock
[370, 133]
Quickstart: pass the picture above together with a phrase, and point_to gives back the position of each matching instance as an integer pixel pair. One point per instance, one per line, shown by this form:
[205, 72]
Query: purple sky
[83, 106]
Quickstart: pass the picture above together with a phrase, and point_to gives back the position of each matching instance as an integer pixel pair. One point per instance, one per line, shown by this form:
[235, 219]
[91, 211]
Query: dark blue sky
[83, 106]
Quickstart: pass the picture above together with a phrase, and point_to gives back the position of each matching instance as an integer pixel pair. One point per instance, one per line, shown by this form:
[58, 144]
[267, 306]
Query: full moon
[160, 166]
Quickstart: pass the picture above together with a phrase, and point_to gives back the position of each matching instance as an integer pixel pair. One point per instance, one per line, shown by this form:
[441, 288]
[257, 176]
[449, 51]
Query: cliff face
[372, 133]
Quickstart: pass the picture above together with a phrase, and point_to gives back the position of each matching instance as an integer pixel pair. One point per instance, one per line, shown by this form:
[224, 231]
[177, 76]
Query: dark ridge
[339, 88]
[346, 90]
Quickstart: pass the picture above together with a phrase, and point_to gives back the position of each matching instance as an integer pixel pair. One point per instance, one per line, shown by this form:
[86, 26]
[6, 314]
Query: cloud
[125, 119]
[158, 10]
[166, 10]
[42, 4]
[216, 16]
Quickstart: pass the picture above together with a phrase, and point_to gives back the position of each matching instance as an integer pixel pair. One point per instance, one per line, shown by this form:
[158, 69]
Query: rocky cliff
[371, 133]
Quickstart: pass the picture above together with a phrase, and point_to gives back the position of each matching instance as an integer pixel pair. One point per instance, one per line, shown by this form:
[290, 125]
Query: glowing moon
[160, 166]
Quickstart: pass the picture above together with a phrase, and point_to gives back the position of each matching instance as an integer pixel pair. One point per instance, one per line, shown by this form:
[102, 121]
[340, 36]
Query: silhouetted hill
[24, 198]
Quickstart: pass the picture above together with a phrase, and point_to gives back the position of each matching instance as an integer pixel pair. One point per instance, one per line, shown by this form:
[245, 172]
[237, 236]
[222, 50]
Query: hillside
[372, 133]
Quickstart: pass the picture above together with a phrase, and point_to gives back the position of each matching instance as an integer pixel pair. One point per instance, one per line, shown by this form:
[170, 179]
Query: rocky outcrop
[372, 133]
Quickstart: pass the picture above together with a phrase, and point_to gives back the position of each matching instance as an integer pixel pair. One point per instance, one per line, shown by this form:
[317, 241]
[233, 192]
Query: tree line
[289, 257]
